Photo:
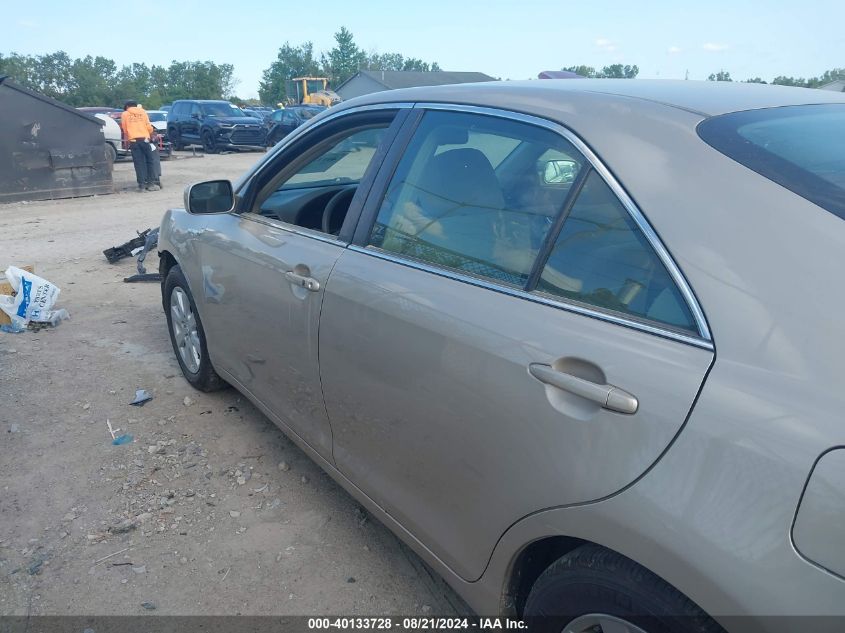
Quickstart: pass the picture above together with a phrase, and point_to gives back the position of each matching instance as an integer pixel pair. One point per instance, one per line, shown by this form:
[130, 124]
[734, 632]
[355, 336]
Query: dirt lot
[211, 510]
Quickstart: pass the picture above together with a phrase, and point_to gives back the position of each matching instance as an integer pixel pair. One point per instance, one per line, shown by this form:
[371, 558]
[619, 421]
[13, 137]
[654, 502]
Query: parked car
[282, 122]
[158, 119]
[111, 131]
[261, 115]
[93, 110]
[216, 125]
[601, 396]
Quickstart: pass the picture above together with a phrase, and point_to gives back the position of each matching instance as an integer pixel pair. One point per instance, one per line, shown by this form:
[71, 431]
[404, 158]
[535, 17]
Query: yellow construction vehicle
[313, 90]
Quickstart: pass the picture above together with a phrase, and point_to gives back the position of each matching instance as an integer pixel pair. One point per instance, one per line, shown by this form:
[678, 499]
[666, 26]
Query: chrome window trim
[621, 194]
[542, 299]
[292, 228]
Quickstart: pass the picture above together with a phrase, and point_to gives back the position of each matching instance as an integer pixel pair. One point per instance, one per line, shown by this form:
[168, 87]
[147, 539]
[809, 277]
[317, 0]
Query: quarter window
[601, 258]
[471, 194]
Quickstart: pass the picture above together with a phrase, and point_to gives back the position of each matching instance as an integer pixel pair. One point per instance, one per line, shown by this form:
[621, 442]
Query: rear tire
[111, 153]
[591, 585]
[187, 334]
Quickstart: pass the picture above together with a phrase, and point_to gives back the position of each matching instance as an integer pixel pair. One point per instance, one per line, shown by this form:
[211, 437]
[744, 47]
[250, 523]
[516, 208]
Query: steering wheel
[336, 209]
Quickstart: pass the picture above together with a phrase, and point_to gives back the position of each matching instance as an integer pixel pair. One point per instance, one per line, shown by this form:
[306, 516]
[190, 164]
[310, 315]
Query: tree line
[342, 62]
[97, 81]
[88, 80]
[781, 80]
[618, 71]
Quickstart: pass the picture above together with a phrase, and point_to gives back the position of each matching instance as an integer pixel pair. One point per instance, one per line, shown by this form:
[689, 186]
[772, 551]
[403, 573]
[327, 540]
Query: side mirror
[196, 115]
[560, 172]
[213, 196]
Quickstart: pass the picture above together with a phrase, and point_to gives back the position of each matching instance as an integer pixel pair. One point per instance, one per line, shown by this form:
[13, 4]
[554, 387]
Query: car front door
[289, 123]
[191, 123]
[502, 338]
[264, 269]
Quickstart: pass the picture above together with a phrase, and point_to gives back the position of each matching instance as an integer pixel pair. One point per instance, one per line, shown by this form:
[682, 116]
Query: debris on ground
[27, 298]
[149, 606]
[112, 431]
[126, 438]
[142, 396]
[130, 248]
[140, 246]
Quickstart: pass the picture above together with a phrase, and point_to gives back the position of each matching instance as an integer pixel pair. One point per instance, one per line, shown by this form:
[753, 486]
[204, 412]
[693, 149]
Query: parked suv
[282, 122]
[215, 125]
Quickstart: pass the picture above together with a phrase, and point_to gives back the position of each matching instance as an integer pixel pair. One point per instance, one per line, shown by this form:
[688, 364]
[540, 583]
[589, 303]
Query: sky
[513, 39]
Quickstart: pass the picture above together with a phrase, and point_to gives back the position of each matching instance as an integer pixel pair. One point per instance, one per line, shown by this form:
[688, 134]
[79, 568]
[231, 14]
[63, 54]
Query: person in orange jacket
[139, 132]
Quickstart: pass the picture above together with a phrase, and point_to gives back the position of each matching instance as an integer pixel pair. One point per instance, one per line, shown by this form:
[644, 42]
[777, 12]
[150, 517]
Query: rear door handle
[607, 396]
[309, 283]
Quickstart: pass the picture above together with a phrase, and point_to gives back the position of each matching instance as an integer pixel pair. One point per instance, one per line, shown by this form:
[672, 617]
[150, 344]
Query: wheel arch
[529, 562]
[527, 565]
[166, 261]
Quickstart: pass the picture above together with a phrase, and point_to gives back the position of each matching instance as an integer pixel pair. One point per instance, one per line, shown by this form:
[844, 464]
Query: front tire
[187, 334]
[208, 144]
[593, 589]
[175, 142]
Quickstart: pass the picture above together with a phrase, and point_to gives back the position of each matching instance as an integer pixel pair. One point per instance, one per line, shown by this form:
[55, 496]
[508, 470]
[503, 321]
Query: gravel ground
[211, 510]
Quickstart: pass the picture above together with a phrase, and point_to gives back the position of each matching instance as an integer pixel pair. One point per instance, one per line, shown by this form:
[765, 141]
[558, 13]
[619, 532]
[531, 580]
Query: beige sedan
[579, 343]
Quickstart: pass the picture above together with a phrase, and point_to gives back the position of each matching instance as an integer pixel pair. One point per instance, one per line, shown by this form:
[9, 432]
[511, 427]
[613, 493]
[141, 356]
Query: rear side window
[799, 147]
[472, 194]
[601, 258]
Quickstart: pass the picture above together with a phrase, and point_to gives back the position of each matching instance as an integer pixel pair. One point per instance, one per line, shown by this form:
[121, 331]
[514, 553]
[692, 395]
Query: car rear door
[264, 269]
[506, 334]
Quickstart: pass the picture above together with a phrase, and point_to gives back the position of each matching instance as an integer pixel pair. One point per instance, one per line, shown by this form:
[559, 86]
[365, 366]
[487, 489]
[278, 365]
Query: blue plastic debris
[126, 438]
[142, 396]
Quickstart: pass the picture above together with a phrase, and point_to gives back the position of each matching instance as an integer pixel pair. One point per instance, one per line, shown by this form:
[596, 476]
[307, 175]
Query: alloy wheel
[601, 623]
[185, 331]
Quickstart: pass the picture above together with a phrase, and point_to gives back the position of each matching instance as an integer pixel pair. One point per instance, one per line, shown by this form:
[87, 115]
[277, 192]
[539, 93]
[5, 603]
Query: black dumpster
[48, 149]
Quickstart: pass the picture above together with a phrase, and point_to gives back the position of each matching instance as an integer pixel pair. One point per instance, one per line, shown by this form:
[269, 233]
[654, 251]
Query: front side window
[314, 189]
[601, 258]
[471, 194]
[799, 147]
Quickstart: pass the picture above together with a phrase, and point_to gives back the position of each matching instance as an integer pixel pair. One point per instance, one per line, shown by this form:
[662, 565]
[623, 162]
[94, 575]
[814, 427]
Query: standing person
[138, 131]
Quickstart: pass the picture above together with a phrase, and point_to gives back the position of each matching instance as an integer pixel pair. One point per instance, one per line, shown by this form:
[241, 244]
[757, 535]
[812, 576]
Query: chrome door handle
[607, 396]
[309, 283]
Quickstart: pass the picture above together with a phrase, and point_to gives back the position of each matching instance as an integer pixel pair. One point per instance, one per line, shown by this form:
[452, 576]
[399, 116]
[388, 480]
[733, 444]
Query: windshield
[799, 147]
[221, 110]
[314, 85]
[157, 116]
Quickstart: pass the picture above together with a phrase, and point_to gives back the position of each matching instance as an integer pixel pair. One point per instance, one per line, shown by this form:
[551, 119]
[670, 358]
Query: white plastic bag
[34, 298]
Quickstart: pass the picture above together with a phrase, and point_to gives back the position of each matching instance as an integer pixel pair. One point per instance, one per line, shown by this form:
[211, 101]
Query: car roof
[704, 98]
[203, 101]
